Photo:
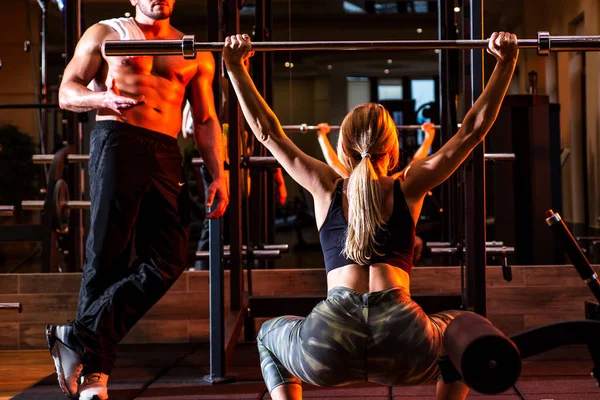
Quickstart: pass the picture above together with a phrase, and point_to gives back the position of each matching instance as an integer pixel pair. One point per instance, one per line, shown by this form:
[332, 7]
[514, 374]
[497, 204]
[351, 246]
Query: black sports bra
[396, 236]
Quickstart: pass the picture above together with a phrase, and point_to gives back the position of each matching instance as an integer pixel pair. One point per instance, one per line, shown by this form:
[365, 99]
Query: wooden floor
[160, 372]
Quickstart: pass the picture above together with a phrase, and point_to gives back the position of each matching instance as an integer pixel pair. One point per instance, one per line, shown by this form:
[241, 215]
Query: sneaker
[93, 387]
[67, 360]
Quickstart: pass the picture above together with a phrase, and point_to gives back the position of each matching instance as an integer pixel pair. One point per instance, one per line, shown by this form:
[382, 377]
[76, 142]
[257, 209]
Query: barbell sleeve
[38, 205]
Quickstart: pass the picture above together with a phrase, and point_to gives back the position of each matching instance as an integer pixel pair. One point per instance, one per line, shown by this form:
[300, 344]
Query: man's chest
[171, 68]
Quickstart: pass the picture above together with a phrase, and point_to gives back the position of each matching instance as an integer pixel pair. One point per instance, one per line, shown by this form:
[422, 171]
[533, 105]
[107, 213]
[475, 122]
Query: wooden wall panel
[537, 295]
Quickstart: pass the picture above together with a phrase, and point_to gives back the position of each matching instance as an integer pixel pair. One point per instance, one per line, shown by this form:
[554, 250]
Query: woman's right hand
[237, 49]
[503, 46]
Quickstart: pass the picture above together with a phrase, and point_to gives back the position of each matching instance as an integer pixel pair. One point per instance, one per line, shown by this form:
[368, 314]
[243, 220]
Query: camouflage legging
[382, 337]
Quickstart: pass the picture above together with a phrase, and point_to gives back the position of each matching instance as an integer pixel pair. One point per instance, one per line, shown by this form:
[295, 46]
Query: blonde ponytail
[367, 147]
[364, 212]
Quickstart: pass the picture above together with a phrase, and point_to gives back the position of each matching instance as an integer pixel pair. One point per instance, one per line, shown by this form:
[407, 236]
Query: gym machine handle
[580, 262]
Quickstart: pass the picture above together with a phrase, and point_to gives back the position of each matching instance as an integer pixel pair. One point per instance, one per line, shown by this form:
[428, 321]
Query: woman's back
[391, 259]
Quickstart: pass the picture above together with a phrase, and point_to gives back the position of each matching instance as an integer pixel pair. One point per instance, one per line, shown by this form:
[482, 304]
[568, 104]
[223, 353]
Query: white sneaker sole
[51, 340]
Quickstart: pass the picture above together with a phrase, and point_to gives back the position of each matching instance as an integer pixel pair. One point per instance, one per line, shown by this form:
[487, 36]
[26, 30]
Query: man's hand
[324, 128]
[114, 101]
[217, 190]
[503, 46]
[237, 49]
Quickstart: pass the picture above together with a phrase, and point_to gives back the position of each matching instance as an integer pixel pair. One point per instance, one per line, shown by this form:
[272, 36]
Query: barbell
[187, 47]
[306, 127]
[271, 162]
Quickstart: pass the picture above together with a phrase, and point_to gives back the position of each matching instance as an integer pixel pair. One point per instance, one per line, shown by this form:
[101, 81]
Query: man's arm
[87, 61]
[207, 132]
[328, 151]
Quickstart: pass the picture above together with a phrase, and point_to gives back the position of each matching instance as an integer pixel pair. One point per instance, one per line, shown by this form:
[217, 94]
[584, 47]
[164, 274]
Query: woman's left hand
[237, 49]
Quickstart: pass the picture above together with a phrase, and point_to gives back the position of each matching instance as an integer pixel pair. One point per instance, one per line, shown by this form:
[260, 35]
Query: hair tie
[365, 155]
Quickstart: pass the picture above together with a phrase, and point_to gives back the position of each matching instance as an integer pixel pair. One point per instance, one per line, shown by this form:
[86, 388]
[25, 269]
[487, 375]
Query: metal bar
[504, 250]
[11, 306]
[38, 205]
[258, 254]
[579, 260]
[260, 207]
[7, 211]
[236, 280]
[284, 248]
[24, 105]
[475, 216]
[47, 158]
[217, 302]
[306, 127]
[248, 162]
[447, 61]
[44, 82]
[74, 130]
[500, 156]
[175, 47]
[548, 337]
[217, 285]
[431, 245]
[233, 329]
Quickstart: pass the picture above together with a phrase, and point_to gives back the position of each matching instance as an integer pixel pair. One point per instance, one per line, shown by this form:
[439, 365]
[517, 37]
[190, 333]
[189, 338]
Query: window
[359, 91]
[423, 91]
[389, 89]
[352, 8]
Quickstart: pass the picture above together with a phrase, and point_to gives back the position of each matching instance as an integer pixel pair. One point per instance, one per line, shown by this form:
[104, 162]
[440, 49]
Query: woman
[368, 328]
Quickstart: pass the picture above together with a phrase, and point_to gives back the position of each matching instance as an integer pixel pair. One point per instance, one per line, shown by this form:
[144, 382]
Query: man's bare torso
[162, 80]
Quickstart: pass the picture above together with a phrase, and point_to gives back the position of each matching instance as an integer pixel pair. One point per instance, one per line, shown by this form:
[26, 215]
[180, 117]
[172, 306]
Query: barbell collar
[544, 43]
[188, 47]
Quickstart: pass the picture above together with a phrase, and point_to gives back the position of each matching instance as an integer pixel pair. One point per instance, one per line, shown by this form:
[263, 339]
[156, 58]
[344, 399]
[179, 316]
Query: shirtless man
[136, 186]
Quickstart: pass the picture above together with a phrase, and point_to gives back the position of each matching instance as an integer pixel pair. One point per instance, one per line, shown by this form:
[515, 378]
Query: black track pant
[139, 205]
